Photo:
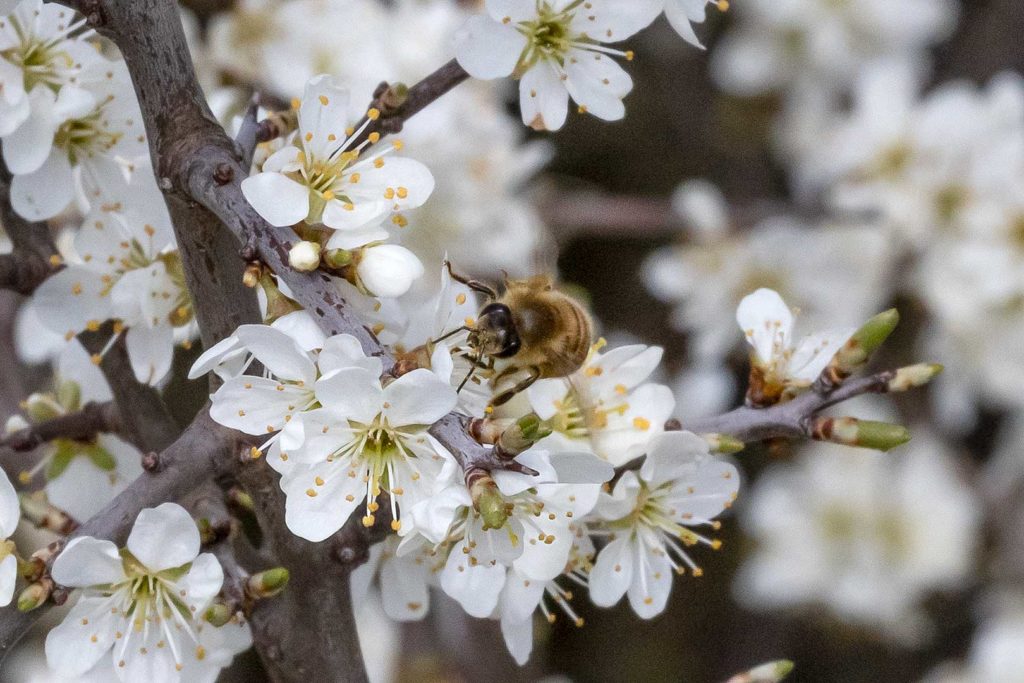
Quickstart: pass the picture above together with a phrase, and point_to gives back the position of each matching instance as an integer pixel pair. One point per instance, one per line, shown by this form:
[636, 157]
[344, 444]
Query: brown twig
[82, 425]
[793, 419]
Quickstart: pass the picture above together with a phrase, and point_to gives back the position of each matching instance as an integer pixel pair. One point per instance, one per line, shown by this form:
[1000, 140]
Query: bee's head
[495, 332]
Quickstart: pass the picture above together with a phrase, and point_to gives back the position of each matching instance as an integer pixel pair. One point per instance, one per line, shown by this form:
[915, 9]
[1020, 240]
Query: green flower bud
[267, 583]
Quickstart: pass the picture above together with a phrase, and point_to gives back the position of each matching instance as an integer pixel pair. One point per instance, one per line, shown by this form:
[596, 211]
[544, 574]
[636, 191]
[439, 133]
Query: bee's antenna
[474, 362]
[454, 332]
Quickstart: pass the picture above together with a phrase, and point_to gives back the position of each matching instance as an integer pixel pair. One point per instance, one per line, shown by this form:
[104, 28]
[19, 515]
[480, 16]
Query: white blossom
[142, 604]
[781, 364]
[43, 46]
[607, 406]
[320, 178]
[555, 48]
[649, 516]
[365, 439]
[77, 127]
[125, 267]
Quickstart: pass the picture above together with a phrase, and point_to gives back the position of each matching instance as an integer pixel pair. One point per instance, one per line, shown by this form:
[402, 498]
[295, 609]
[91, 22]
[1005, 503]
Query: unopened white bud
[304, 257]
[388, 270]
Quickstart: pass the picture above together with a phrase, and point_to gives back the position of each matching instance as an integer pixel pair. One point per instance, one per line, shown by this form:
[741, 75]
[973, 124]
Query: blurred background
[852, 154]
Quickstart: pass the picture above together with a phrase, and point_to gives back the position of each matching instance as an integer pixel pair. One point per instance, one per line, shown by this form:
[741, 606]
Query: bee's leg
[522, 385]
[475, 285]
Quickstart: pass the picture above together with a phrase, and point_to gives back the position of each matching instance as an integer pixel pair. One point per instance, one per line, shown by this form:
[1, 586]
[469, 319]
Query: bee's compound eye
[497, 318]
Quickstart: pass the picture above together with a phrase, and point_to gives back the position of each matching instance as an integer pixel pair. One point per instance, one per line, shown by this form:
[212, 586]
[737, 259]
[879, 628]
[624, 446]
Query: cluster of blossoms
[350, 439]
[65, 108]
[73, 139]
[603, 490]
[557, 49]
[478, 212]
[319, 179]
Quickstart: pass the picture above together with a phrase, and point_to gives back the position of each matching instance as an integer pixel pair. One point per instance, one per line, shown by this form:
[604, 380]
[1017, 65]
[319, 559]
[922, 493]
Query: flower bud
[723, 443]
[304, 256]
[42, 407]
[69, 395]
[15, 423]
[850, 431]
[387, 270]
[858, 349]
[337, 258]
[35, 595]
[913, 376]
[520, 435]
[488, 501]
[218, 614]
[268, 583]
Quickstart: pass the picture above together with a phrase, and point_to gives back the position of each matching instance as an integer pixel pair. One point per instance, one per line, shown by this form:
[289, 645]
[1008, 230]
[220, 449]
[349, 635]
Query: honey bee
[531, 328]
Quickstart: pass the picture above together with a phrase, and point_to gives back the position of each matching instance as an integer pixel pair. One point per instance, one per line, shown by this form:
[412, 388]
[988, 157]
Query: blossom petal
[300, 326]
[766, 321]
[45, 192]
[352, 393]
[613, 572]
[518, 637]
[278, 352]
[257, 405]
[671, 456]
[652, 582]
[277, 198]
[345, 351]
[71, 299]
[814, 352]
[581, 468]
[543, 99]
[623, 366]
[27, 148]
[164, 537]
[598, 84]
[219, 353]
[403, 588]
[150, 351]
[314, 511]
[148, 662]
[87, 561]
[8, 579]
[520, 597]
[610, 21]
[477, 588]
[682, 14]
[10, 509]
[418, 398]
[70, 648]
[202, 583]
[405, 183]
[546, 397]
[488, 49]
[515, 10]
[323, 116]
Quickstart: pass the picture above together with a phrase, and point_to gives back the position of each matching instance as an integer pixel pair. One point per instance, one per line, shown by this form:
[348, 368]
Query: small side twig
[82, 425]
